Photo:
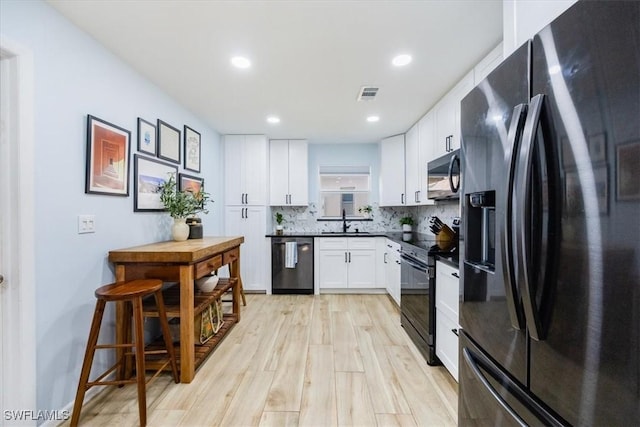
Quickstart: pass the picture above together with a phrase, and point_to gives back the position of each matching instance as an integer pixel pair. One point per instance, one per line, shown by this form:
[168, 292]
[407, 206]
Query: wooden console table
[181, 262]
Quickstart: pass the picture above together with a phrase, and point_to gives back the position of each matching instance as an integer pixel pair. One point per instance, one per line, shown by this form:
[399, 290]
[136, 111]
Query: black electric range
[417, 289]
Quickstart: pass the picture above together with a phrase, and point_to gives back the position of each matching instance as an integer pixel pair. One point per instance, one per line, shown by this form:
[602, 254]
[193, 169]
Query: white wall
[522, 19]
[75, 76]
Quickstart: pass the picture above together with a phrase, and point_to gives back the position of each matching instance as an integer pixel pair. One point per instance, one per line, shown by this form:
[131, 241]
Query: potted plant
[406, 222]
[180, 205]
[279, 220]
[365, 210]
[194, 221]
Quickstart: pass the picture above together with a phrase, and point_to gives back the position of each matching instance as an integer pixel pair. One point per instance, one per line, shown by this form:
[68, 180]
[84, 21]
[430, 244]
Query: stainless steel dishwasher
[292, 265]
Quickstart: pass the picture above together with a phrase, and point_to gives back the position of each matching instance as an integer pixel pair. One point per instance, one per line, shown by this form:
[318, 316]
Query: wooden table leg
[187, 350]
[234, 272]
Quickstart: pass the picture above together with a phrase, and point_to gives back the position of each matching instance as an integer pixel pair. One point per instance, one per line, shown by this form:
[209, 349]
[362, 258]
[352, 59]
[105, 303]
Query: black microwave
[444, 177]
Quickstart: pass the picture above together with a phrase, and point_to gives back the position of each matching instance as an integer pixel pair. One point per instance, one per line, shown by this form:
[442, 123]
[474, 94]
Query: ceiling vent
[367, 93]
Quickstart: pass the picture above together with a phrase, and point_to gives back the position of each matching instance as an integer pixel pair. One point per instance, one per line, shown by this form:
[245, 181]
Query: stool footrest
[112, 382]
[103, 346]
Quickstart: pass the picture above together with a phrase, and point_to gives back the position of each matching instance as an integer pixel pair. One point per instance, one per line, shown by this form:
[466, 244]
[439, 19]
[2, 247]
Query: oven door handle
[414, 264]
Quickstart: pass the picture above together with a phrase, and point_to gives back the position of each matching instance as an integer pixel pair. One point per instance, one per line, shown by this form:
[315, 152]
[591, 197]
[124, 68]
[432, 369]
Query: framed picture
[627, 166]
[108, 150]
[168, 142]
[191, 149]
[190, 183]
[149, 175]
[146, 137]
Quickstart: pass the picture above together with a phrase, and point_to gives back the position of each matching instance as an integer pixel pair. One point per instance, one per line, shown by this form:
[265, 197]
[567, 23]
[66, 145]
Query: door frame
[17, 302]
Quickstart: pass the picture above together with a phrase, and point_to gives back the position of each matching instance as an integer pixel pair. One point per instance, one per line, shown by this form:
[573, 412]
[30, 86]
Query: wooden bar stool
[130, 292]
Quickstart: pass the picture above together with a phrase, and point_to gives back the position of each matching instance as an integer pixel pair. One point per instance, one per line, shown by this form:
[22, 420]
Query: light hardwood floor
[298, 360]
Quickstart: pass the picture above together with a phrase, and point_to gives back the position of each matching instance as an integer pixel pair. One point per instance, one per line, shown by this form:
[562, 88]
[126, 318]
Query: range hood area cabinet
[447, 117]
[289, 172]
[245, 158]
[415, 160]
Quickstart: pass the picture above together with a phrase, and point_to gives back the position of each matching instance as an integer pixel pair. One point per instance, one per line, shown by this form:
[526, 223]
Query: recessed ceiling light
[240, 62]
[373, 119]
[401, 60]
[273, 119]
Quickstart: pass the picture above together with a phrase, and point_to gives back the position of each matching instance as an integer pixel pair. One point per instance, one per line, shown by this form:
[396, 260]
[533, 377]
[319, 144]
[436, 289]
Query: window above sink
[345, 188]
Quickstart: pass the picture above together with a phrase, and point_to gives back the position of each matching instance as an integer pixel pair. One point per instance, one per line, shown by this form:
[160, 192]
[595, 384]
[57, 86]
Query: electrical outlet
[86, 224]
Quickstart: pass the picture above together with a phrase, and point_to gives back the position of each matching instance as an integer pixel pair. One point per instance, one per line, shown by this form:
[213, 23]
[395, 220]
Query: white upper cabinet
[488, 64]
[448, 117]
[523, 19]
[246, 176]
[417, 149]
[392, 171]
[427, 138]
[413, 172]
[289, 172]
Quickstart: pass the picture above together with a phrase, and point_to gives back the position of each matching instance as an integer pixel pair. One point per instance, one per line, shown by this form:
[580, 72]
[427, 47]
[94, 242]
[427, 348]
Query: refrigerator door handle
[471, 362]
[533, 309]
[514, 138]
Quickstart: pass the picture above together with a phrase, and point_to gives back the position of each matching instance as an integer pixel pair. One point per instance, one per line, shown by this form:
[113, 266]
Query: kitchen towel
[290, 254]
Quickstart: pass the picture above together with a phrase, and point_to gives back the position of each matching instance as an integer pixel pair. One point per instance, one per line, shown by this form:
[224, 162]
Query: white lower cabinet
[447, 342]
[447, 302]
[250, 222]
[392, 269]
[346, 262]
[332, 269]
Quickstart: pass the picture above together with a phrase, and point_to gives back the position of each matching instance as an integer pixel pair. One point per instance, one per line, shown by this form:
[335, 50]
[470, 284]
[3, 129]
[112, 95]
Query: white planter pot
[406, 228]
[180, 229]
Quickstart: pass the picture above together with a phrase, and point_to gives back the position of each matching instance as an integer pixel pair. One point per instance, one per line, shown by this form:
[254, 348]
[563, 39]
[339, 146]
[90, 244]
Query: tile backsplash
[305, 218]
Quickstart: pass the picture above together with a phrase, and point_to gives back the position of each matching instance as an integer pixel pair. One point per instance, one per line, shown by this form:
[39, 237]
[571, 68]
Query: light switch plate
[86, 224]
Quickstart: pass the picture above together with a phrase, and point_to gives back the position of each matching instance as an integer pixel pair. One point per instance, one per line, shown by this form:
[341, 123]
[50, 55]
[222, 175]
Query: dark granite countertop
[330, 234]
[451, 259]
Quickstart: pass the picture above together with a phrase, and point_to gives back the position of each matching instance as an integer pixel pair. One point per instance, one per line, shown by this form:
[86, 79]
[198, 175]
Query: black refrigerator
[550, 270]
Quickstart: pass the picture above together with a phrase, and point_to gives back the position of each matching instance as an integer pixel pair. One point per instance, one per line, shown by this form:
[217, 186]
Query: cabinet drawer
[392, 246]
[332, 243]
[362, 242]
[230, 256]
[447, 343]
[447, 289]
[207, 266]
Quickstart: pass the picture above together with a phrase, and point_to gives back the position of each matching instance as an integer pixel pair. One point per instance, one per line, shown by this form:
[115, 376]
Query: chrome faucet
[344, 221]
